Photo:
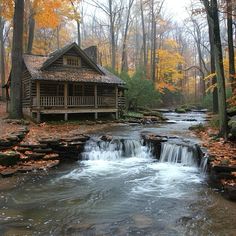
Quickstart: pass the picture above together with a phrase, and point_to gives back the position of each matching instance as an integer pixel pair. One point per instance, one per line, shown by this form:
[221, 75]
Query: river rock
[52, 163]
[155, 141]
[230, 192]
[81, 138]
[232, 126]
[180, 110]
[9, 158]
[50, 142]
[22, 149]
[106, 138]
[8, 172]
[32, 146]
[51, 156]
[5, 143]
[13, 138]
[43, 150]
[231, 111]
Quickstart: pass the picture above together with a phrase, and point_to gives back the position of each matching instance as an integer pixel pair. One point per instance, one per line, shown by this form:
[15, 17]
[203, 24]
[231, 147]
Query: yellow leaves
[7, 9]
[168, 71]
[211, 88]
[171, 44]
[210, 77]
[72, 10]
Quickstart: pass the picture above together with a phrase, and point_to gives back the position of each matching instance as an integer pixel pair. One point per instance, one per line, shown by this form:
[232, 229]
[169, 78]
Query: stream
[121, 189]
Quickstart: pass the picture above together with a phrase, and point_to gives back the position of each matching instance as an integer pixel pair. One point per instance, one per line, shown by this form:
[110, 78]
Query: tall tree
[213, 68]
[124, 60]
[230, 44]
[16, 72]
[144, 38]
[211, 7]
[76, 17]
[2, 54]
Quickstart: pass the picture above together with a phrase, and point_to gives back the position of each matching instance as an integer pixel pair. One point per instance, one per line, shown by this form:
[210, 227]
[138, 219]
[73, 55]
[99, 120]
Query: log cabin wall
[26, 88]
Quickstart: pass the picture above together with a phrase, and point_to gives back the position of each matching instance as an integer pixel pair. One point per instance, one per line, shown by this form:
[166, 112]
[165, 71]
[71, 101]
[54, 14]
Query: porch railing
[75, 101]
[51, 101]
[81, 101]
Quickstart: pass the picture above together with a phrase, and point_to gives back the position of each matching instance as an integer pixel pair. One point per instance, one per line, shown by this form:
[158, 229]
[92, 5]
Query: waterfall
[174, 153]
[115, 149]
[203, 164]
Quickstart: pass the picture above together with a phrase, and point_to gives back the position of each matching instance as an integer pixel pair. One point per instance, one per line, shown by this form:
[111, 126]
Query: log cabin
[69, 81]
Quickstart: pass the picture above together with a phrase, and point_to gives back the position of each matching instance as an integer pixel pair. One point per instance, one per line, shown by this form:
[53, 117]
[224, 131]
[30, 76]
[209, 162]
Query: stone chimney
[92, 52]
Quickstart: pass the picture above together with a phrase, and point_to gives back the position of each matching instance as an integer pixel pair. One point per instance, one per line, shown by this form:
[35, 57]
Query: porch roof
[34, 64]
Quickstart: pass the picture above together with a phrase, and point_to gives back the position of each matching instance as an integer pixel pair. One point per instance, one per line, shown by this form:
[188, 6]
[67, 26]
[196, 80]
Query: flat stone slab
[221, 168]
[8, 172]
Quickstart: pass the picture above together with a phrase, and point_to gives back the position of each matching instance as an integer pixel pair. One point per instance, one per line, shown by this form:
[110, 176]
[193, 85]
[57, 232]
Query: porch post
[96, 100]
[38, 100]
[117, 106]
[65, 100]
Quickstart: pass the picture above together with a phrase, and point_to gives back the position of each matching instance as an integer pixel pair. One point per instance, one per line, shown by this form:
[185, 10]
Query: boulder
[232, 126]
[231, 111]
[180, 110]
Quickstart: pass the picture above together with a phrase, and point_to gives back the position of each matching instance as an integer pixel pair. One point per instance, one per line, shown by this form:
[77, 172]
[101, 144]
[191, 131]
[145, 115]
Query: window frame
[75, 65]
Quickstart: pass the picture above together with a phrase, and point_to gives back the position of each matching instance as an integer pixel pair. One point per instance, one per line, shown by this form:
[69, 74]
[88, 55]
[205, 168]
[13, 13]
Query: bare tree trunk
[31, 24]
[2, 57]
[78, 33]
[231, 45]
[124, 59]
[153, 43]
[144, 40]
[58, 37]
[212, 11]
[16, 72]
[112, 36]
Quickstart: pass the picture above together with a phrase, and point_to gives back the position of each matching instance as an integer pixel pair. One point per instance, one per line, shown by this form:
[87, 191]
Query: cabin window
[72, 61]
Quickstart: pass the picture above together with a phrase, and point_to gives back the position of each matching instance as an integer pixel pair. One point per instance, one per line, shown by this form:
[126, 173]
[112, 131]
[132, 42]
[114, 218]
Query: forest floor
[222, 160]
[45, 130]
[29, 150]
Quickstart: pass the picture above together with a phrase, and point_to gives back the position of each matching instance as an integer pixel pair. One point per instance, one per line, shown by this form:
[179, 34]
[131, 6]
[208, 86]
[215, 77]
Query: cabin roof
[37, 67]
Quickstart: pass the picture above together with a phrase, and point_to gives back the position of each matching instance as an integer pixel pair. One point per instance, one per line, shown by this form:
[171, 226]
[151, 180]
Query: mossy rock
[232, 122]
[200, 127]
[224, 162]
[10, 158]
[231, 111]
[186, 107]
[154, 113]
[180, 110]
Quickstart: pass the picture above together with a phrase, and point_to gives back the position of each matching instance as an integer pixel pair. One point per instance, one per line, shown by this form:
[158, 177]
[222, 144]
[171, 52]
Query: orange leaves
[160, 86]
[224, 152]
[47, 13]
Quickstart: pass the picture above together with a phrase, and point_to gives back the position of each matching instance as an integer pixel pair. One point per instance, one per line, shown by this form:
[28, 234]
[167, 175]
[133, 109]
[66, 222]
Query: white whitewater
[115, 149]
[174, 153]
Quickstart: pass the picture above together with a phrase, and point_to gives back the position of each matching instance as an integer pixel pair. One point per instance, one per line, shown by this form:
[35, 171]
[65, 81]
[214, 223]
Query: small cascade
[115, 149]
[174, 153]
[203, 164]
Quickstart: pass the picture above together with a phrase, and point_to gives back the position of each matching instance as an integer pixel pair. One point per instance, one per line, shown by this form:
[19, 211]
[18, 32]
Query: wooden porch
[71, 98]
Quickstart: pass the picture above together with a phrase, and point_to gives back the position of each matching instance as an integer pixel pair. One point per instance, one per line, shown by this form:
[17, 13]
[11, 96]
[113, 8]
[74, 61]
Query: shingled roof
[37, 67]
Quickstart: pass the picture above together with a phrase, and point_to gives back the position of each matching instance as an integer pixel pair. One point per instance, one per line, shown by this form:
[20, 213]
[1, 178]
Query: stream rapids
[120, 188]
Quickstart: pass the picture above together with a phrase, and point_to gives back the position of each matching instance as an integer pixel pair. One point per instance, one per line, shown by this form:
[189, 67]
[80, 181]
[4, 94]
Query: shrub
[140, 92]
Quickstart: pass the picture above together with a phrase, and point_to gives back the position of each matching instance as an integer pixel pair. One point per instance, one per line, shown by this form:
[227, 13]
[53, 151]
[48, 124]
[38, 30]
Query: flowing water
[121, 189]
